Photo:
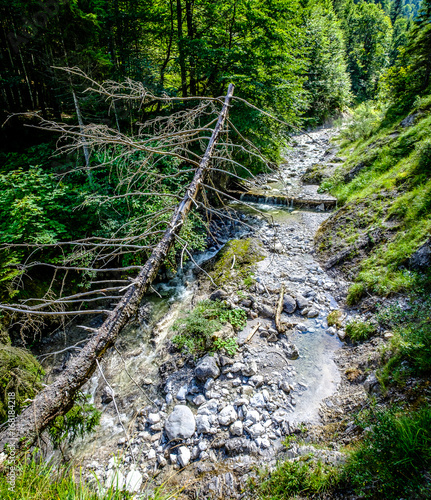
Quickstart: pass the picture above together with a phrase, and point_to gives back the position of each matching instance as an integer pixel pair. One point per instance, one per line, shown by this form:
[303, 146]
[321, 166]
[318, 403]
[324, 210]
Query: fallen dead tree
[58, 398]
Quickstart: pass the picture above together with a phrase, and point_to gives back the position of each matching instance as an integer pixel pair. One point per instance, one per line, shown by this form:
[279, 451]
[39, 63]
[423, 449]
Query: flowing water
[131, 369]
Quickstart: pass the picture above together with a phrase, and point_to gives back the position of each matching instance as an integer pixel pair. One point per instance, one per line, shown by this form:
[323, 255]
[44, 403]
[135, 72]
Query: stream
[273, 384]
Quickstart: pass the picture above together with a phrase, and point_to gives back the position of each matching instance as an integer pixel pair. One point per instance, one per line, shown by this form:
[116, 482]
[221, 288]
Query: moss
[360, 330]
[234, 265]
[334, 318]
[21, 374]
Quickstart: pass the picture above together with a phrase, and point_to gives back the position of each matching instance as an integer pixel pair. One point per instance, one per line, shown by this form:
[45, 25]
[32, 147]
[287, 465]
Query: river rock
[153, 418]
[265, 311]
[302, 301]
[250, 369]
[219, 295]
[227, 416]
[256, 430]
[203, 424]
[289, 304]
[240, 446]
[312, 313]
[207, 368]
[236, 428]
[133, 481]
[183, 456]
[180, 424]
[290, 350]
[115, 480]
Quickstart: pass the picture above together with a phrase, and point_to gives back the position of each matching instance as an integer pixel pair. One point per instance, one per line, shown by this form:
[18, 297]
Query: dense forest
[146, 82]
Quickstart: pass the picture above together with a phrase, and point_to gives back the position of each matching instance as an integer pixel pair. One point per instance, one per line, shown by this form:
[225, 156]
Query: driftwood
[251, 334]
[278, 325]
[58, 398]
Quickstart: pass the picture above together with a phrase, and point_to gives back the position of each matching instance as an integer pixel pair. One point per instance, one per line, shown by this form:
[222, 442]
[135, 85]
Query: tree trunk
[181, 49]
[58, 398]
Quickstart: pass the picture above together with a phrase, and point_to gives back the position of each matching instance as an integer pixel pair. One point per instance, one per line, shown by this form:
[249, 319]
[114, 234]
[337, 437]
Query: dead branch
[58, 398]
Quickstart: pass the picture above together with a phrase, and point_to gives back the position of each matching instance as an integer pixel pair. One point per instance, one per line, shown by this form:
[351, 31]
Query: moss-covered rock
[21, 374]
[234, 264]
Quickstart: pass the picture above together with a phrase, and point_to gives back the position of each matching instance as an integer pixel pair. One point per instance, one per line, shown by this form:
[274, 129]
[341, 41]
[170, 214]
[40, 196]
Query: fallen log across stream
[57, 398]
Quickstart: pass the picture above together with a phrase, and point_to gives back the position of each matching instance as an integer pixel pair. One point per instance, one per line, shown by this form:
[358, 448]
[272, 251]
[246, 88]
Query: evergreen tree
[328, 83]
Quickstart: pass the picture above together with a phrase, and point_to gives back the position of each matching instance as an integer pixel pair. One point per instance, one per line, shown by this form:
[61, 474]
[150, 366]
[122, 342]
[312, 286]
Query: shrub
[292, 478]
[394, 460]
[196, 330]
[360, 330]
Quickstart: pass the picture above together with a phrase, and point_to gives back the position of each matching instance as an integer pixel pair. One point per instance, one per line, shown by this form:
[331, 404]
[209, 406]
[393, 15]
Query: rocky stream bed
[205, 425]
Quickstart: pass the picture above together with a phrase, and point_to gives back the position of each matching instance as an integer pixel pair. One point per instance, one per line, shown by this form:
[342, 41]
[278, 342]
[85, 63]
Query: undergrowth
[360, 330]
[385, 187]
[391, 462]
[197, 331]
[35, 479]
[411, 343]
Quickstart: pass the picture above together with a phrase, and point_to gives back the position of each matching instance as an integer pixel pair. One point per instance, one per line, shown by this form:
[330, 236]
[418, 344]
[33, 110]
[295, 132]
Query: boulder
[180, 423]
[207, 368]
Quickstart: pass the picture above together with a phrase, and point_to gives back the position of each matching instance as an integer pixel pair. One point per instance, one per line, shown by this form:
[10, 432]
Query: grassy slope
[386, 212]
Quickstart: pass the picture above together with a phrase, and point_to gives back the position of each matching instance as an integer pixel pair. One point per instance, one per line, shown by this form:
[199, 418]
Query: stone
[209, 408]
[289, 304]
[153, 418]
[312, 313]
[237, 367]
[284, 386]
[256, 430]
[133, 481]
[241, 402]
[266, 312]
[247, 390]
[207, 368]
[203, 424]
[302, 301]
[226, 361]
[183, 456]
[115, 480]
[290, 350]
[371, 384]
[250, 369]
[240, 446]
[151, 455]
[181, 394]
[199, 400]
[219, 295]
[236, 428]
[253, 416]
[227, 416]
[226, 332]
[180, 423]
[421, 259]
[257, 380]
[257, 400]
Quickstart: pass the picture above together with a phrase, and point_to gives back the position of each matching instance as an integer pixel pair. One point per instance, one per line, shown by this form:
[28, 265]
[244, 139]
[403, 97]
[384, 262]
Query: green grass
[390, 194]
[304, 477]
[39, 480]
[411, 344]
[197, 331]
[394, 459]
[360, 330]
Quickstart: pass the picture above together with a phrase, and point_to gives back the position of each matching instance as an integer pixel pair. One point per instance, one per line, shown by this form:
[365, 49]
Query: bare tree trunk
[58, 398]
